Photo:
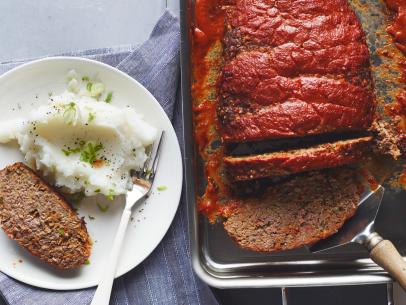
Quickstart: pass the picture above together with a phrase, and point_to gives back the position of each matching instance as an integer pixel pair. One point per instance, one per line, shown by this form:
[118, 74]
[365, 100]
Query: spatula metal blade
[357, 226]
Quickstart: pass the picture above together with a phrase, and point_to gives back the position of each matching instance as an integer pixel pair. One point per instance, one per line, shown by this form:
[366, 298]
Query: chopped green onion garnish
[73, 85]
[89, 86]
[109, 97]
[97, 191]
[102, 208]
[87, 262]
[61, 232]
[96, 90]
[162, 188]
[110, 195]
[68, 152]
[89, 152]
[85, 78]
[91, 117]
[69, 115]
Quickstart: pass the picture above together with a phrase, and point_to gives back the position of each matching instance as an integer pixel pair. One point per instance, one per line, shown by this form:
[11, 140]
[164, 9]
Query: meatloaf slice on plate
[284, 163]
[295, 213]
[40, 220]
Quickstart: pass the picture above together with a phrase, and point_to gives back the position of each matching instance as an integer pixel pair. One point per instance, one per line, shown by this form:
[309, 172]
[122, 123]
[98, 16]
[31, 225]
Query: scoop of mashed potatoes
[83, 144]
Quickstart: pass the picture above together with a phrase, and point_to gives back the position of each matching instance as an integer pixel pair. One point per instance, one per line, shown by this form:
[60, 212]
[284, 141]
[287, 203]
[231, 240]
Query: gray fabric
[166, 276]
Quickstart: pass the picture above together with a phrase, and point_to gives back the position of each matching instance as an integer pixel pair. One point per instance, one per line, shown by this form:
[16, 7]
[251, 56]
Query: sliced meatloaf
[284, 163]
[293, 68]
[261, 105]
[312, 24]
[40, 220]
[294, 213]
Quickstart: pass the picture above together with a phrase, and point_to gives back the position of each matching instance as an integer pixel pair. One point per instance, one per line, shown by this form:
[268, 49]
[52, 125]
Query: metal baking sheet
[219, 262]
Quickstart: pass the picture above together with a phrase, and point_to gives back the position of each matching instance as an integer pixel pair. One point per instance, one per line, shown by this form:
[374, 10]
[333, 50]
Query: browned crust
[288, 162]
[299, 212]
[268, 45]
[39, 219]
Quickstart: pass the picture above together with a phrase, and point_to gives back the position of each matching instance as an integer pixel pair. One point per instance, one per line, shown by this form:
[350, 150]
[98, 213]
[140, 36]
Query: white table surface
[32, 28]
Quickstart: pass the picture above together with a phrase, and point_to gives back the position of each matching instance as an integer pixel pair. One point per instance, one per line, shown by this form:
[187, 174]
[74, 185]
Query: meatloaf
[294, 69]
[284, 163]
[298, 212]
[40, 220]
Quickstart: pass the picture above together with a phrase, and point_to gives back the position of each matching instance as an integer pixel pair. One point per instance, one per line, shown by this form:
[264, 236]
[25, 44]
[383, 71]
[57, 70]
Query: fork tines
[149, 170]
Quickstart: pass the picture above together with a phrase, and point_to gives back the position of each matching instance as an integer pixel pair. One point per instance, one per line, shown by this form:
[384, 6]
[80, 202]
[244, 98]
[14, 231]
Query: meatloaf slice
[284, 163]
[291, 60]
[257, 105]
[40, 220]
[260, 89]
[261, 101]
[302, 211]
[311, 24]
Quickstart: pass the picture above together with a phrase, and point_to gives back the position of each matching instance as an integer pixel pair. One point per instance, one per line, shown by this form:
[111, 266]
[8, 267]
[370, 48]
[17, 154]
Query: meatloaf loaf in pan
[294, 69]
[295, 77]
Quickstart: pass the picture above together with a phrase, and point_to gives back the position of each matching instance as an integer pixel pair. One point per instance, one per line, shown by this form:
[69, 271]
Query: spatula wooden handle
[387, 256]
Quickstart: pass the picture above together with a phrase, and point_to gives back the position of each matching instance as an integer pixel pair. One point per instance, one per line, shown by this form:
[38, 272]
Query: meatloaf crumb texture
[293, 68]
[284, 163]
[295, 213]
[40, 220]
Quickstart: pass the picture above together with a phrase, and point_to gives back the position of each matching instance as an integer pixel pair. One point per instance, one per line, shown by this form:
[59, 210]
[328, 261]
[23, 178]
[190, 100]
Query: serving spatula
[360, 229]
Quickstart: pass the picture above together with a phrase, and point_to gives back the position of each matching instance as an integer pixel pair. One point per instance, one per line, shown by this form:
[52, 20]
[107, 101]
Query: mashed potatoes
[81, 142]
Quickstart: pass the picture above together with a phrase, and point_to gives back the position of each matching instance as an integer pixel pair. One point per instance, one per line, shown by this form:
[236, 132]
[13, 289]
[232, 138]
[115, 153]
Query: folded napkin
[166, 276]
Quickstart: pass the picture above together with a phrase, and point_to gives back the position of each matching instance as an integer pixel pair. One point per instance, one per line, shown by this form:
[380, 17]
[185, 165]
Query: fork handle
[103, 292]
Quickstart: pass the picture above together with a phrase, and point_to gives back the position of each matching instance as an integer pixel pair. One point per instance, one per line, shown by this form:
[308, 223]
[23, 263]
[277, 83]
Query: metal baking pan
[219, 262]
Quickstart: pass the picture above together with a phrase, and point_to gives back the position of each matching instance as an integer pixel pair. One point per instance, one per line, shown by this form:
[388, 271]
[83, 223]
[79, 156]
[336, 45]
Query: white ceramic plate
[26, 87]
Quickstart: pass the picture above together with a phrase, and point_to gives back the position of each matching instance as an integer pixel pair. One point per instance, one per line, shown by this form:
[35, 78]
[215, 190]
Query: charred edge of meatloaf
[295, 213]
[289, 162]
[39, 219]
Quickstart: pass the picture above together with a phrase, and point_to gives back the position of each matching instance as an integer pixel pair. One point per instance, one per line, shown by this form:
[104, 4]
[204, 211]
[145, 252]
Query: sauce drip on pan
[207, 33]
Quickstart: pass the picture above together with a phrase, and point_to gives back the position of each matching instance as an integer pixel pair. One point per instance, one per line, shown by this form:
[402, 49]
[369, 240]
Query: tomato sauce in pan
[207, 33]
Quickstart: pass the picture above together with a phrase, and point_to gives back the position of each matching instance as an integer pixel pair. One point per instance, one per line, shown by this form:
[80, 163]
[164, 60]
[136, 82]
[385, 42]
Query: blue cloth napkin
[166, 276]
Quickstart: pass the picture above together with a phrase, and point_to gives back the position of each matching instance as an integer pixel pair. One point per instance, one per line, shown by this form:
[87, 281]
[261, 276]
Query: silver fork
[143, 181]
